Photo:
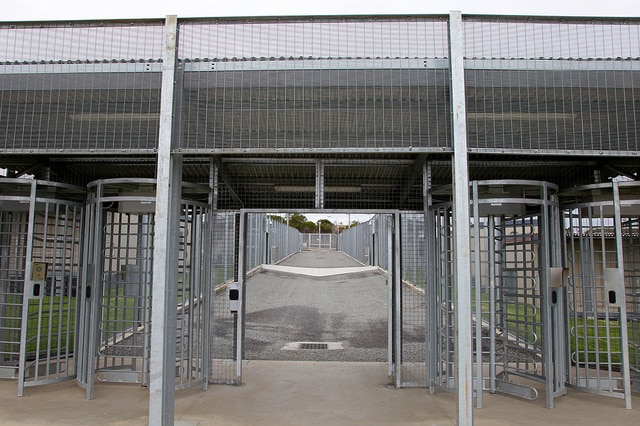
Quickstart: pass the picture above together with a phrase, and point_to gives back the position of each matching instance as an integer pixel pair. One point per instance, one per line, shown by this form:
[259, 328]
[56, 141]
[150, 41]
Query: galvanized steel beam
[461, 233]
[165, 265]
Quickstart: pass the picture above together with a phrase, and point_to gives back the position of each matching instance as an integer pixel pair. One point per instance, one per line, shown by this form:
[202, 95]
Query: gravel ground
[284, 308]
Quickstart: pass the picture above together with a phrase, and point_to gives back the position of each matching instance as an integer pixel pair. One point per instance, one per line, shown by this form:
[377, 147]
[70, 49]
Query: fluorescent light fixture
[144, 116]
[520, 116]
[328, 189]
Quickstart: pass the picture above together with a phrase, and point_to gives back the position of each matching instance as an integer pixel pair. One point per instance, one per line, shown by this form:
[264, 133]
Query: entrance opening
[301, 302]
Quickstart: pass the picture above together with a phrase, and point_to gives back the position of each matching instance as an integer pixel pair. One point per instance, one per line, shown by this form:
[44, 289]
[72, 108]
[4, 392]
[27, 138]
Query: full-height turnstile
[517, 287]
[602, 237]
[115, 332]
[40, 248]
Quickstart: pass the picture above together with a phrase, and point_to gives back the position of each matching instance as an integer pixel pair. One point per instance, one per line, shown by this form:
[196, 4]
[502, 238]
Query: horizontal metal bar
[553, 64]
[81, 68]
[283, 64]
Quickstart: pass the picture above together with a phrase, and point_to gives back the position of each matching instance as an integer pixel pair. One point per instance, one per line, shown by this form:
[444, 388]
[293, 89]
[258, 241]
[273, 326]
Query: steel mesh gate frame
[379, 242]
[260, 240]
[116, 327]
[602, 231]
[224, 230]
[518, 307]
[318, 241]
[40, 244]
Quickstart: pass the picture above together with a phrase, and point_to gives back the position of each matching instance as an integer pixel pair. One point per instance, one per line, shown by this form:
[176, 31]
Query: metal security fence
[374, 243]
[265, 84]
[413, 300]
[264, 241]
[82, 86]
[282, 241]
[224, 254]
[358, 242]
[319, 241]
[541, 84]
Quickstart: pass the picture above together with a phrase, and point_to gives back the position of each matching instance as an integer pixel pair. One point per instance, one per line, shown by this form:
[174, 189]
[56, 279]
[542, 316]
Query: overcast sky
[23, 10]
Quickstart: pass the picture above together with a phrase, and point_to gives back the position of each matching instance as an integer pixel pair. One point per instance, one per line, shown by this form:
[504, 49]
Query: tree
[277, 218]
[326, 226]
[297, 220]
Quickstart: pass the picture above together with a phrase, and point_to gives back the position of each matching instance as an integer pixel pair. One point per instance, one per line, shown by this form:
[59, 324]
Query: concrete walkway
[300, 393]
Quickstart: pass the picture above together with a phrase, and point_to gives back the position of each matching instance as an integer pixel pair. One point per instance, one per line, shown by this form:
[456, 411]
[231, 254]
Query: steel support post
[165, 260]
[397, 285]
[461, 233]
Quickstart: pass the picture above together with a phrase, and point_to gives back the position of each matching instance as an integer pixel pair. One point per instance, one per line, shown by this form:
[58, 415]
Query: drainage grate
[314, 346]
[323, 346]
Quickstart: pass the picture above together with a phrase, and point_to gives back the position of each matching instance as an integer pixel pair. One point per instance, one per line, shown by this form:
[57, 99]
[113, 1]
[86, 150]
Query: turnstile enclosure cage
[40, 229]
[117, 313]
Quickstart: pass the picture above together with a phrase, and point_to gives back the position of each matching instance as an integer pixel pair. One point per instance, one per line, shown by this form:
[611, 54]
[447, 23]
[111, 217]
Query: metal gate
[319, 241]
[602, 224]
[517, 304]
[40, 243]
[116, 328]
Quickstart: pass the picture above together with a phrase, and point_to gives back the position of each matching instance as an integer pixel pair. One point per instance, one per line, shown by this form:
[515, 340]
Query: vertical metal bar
[391, 312]
[462, 258]
[397, 285]
[96, 285]
[241, 289]
[431, 282]
[22, 359]
[319, 185]
[560, 312]
[547, 340]
[163, 313]
[491, 262]
[209, 271]
[478, 293]
[624, 336]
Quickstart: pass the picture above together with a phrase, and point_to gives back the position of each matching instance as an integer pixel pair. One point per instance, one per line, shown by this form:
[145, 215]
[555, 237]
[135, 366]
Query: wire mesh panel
[549, 85]
[372, 243]
[319, 241]
[282, 240]
[413, 266]
[41, 237]
[222, 348]
[82, 86]
[292, 84]
[358, 241]
[265, 241]
[600, 222]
